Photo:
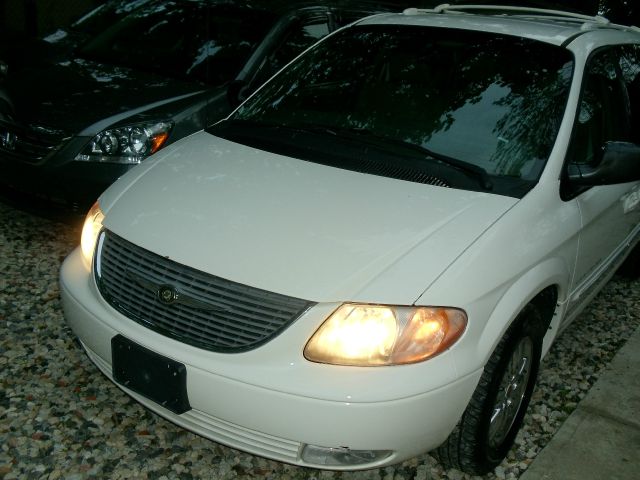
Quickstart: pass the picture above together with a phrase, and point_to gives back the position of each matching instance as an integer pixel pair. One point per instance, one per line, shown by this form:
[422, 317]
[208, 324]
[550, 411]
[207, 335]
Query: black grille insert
[29, 145]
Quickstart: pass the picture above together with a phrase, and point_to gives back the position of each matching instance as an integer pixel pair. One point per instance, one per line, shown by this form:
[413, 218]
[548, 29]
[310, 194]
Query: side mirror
[620, 163]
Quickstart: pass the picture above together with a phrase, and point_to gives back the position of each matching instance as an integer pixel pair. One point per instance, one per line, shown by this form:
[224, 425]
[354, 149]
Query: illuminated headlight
[372, 335]
[90, 230]
[129, 144]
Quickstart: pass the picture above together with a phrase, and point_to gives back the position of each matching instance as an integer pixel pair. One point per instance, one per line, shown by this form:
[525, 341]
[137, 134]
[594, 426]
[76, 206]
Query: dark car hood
[77, 96]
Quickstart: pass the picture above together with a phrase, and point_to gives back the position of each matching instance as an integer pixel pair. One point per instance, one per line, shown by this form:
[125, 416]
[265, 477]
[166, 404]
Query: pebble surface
[60, 418]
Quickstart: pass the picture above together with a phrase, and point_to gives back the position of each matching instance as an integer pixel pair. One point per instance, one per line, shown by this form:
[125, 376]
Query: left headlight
[90, 230]
[376, 335]
[128, 144]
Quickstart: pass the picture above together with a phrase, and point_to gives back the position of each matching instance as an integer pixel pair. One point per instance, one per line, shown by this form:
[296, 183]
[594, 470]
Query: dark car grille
[198, 309]
[29, 145]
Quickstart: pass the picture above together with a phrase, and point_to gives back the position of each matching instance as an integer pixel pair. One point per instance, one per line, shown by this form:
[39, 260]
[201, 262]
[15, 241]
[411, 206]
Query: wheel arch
[469, 446]
[545, 285]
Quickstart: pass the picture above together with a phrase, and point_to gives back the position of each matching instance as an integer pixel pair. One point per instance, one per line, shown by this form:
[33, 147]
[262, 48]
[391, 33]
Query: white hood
[294, 227]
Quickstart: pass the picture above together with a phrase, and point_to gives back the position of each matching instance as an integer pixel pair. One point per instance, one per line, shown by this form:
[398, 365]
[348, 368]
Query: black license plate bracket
[150, 374]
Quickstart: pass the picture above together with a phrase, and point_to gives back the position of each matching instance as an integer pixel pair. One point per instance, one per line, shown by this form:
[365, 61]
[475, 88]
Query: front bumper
[262, 412]
[56, 183]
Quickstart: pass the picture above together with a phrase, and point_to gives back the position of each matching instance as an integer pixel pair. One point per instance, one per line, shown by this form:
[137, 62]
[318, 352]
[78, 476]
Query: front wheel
[494, 415]
[630, 268]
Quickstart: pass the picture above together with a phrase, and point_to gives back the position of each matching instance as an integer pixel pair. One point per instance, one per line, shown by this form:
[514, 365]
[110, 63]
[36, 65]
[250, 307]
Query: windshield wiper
[366, 136]
[363, 134]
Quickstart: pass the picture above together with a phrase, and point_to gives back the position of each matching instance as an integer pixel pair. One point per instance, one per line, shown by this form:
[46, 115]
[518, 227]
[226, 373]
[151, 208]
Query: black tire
[476, 446]
[630, 268]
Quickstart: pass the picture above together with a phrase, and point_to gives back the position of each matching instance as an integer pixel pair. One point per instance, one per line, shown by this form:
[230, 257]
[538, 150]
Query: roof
[550, 26]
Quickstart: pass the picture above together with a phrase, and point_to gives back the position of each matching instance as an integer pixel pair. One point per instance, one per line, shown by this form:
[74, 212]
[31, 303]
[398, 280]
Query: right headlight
[376, 335]
[90, 231]
[129, 144]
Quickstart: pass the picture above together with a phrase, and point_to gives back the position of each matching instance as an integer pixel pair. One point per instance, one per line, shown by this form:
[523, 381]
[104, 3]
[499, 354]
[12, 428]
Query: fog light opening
[341, 456]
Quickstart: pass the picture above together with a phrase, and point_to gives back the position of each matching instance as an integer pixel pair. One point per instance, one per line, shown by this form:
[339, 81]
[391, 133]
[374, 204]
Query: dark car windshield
[183, 39]
[427, 101]
[105, 15]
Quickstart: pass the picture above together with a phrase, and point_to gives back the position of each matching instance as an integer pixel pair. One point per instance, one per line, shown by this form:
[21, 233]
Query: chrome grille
[205, 311]
[30, 145]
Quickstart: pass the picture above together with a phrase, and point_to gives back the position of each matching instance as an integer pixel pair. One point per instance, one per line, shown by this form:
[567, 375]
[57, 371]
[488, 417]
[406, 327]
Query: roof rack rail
[445, 8]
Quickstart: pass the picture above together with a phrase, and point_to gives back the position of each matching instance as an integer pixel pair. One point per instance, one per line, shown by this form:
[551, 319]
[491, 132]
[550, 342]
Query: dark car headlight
[129, 144]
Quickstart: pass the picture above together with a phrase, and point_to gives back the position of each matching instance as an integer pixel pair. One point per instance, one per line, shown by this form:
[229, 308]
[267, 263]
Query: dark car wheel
[494, 415]
[630, 268]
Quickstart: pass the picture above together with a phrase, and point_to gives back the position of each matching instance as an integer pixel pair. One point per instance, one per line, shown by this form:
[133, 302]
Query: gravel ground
[61, 418]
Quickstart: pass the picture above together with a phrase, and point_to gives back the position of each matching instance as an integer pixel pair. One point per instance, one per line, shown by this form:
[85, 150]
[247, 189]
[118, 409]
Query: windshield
[105, 15]
[183, 39]
[493, 102]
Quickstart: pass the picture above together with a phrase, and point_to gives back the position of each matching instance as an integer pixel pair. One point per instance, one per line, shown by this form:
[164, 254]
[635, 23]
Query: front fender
[553, 272]
[532, 247]
[491, 315]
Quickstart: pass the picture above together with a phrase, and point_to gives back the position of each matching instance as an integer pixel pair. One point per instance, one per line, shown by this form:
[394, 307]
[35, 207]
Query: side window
[630, 67]
[604, 112]
[301, 35]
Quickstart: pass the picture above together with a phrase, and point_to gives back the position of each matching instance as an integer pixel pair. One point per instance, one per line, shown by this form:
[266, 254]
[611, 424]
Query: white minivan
[369, 257]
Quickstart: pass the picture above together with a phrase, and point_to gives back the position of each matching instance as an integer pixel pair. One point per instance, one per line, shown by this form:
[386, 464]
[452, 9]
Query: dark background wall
[38, 17]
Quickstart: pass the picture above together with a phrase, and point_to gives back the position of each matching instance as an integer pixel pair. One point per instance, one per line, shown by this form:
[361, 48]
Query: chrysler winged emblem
[169, 295]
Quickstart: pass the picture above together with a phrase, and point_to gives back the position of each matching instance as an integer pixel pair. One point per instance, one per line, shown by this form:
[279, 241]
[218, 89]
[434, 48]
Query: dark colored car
[87, 107]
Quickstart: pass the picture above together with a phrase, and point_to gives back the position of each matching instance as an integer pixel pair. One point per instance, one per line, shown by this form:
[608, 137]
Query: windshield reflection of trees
[491, 100]
[185, 39]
